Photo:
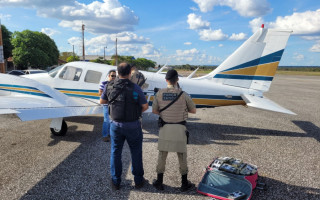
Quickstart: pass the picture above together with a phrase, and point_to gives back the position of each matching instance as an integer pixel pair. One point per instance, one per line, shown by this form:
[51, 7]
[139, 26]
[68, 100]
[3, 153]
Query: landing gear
[58, 127]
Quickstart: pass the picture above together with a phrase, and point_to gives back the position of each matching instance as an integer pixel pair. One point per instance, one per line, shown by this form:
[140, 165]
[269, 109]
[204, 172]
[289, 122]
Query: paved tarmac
[286, 148]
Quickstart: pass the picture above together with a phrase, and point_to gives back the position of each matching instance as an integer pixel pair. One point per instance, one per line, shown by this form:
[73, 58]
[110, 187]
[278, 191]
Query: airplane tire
[62, 132]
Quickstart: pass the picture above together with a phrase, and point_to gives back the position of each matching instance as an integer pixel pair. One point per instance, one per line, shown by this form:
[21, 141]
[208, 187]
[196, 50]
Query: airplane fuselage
[204, 93]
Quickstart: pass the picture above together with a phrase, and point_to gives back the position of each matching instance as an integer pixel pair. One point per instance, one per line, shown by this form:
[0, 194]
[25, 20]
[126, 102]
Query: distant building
[93, 57]
[61, 62]
[9, 64]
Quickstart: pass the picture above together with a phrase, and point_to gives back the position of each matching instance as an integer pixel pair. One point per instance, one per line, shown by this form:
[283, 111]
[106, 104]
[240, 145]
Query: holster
[187, 134]
[161, 123]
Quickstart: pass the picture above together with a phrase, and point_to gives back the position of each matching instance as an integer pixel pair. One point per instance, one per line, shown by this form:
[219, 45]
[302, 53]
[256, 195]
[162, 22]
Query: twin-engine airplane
[72, 89]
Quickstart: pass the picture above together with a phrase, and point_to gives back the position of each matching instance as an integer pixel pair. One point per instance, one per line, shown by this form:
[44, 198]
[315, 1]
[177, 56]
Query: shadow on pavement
[211, 133]
[311, 129]
[276, 189]
[84, 174]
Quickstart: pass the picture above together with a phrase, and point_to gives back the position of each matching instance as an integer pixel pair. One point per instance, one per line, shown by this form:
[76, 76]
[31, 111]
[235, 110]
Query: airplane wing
[31, 100]
[264, 104]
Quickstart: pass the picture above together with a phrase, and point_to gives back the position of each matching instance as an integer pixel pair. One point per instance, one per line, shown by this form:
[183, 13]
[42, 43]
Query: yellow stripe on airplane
[217, 102]
[22, 89]
[212, 102]
[268, 69]
[80, 93]
[151, 98]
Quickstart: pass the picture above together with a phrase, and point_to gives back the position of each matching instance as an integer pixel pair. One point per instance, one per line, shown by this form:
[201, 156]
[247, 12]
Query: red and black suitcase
[229, 178]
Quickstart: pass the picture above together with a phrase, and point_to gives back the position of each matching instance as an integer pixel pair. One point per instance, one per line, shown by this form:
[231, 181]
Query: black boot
[186, 185]
[158, 184]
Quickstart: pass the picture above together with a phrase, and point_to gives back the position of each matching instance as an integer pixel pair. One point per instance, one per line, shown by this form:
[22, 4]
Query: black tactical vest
[123, 101]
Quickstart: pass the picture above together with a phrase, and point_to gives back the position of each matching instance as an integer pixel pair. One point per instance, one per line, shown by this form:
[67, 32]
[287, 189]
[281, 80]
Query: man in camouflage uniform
[172, 135]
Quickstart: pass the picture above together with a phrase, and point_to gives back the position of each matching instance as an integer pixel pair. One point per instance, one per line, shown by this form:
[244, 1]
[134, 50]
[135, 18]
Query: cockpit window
[54, 71]
[70, 73]
[92, 76]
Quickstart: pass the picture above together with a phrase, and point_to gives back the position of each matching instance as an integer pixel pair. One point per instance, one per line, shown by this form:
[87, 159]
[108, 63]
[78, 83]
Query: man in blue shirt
[126, 104]
[106, 124]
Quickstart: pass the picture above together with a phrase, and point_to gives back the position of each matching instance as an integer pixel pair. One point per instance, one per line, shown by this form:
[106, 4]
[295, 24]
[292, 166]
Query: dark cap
[171, 74]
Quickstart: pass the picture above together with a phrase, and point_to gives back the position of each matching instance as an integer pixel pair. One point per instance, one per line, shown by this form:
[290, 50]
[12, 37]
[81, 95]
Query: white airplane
[72, 89]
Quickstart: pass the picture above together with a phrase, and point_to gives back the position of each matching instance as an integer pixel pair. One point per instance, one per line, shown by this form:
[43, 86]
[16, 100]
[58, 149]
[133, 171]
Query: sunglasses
[113, 76]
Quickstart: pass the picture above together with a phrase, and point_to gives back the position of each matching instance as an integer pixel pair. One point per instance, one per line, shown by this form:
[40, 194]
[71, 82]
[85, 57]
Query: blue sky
[199, 32]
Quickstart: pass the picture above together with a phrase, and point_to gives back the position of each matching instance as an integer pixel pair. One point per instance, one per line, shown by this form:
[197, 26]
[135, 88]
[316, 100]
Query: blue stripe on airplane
[78, 90]
[27, 92]
[273, 57]
[244, 77]
[18, 86]
[84, 96]
[202, 96]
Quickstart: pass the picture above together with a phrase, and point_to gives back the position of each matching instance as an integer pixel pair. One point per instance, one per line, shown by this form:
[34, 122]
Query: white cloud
[49, 31]
[35, 3]
[149, 51]
[303, 23]
[220, 45]
[211, 35]
[6, 17]
[187, 52]
[186, 55]
[298, 57]
[129, 38]
[194, 9]
[128, 44]
[311, 37]
[246, 8]
[99, 17]
[255, 24]
[315, 47]
[192, 56]
[240, 36]
[196, 22]
[187, 43]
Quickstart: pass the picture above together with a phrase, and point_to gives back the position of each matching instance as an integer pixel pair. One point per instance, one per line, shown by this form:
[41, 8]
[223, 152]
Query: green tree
[73, 58]
[7, 46]
[127, 59]
[100, 60]
[65, 55]
[144, 64]
[140, 63]
[34, 49]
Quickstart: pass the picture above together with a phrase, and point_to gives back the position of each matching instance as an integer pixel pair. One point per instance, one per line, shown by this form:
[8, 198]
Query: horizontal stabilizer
[264, 104]
[8, 111]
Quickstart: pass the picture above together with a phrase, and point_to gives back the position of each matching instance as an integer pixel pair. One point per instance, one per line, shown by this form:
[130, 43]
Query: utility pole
[83, 54]
[2, 68]
[72, 49]
[104, 53]
[116, 52]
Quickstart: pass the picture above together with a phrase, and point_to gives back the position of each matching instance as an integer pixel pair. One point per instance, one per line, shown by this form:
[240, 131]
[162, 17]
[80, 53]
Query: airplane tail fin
[254, 64]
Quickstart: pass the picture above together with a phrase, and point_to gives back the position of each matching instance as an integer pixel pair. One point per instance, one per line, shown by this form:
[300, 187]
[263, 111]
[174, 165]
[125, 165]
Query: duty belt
[161, 123]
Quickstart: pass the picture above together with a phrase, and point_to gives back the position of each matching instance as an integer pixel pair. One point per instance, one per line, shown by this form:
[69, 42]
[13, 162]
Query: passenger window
[70, 73]
[92, 76]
